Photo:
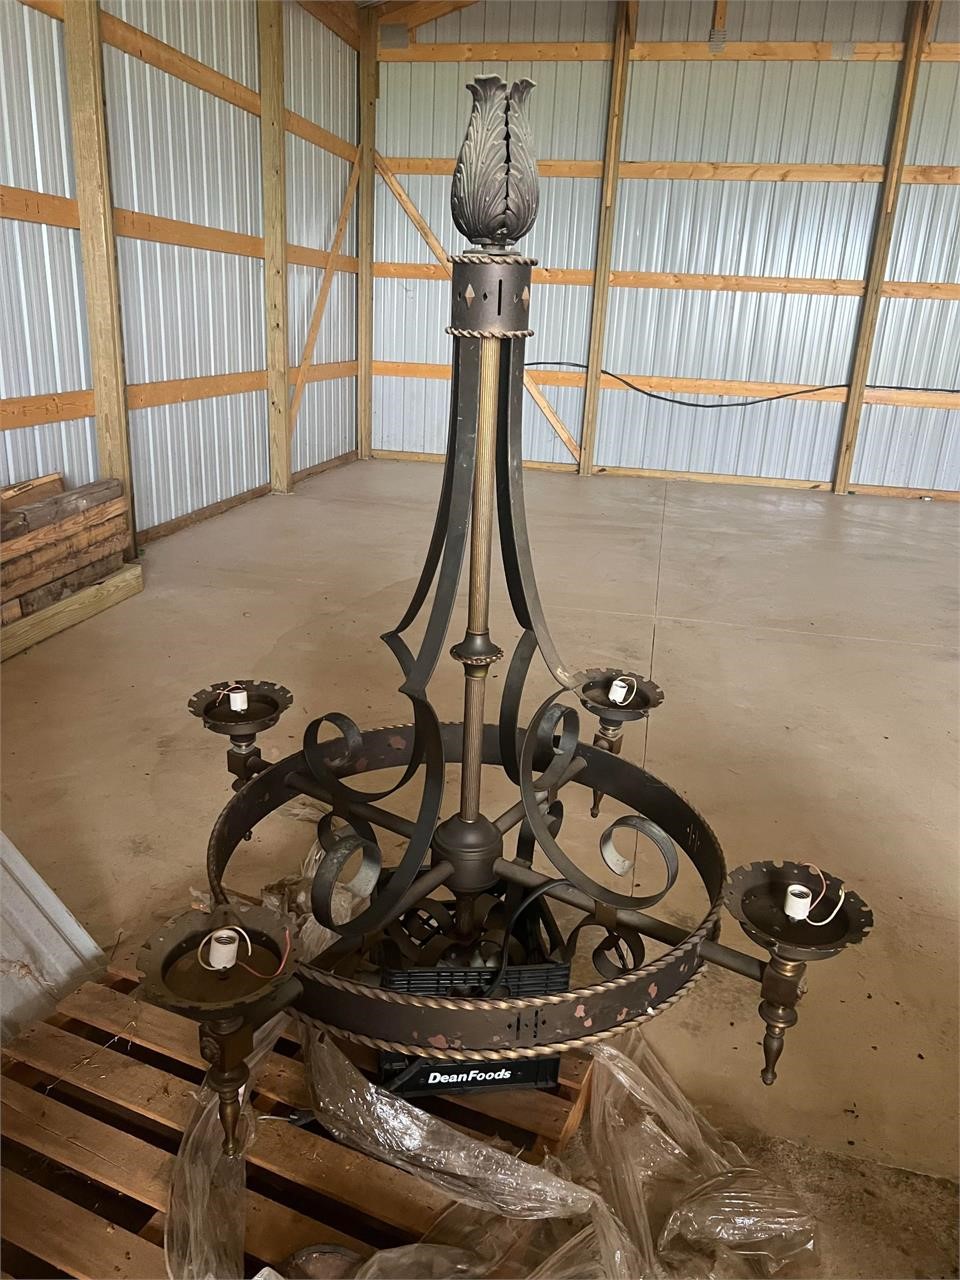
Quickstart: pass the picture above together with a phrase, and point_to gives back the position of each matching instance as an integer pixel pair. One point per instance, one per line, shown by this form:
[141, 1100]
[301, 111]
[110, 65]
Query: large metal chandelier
[456, 956]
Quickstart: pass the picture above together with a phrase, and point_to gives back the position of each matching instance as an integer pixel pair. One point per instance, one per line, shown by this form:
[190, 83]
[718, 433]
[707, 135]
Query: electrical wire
[526, 902]
[733, 404]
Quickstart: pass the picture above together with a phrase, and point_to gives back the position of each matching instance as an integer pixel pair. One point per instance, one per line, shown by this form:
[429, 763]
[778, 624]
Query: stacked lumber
[55, 542]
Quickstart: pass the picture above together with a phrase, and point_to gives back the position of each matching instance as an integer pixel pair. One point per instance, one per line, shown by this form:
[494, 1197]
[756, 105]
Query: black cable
[737, 404]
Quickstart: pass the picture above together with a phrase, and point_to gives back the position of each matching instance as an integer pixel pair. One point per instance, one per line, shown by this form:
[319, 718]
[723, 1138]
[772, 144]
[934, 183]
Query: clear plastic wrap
[206, 1218]
[383, 1125]
[746, 1214]
[672, 1179]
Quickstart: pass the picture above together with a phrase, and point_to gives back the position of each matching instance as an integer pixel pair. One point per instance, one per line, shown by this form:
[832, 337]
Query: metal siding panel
[67, 447]
[320, 74]
[189, 313]
[43, 345]
[917, 344]
[816, 229]
[223, 36]
[188, 456]
[915, 448]
[540, 442]
[409, 320]
[36, 149]
[564, 234]
[337, 339]
[948, 22]
[794, 439]
[926, 237]
[778, 112]
[499, 20]
[46, 952]
[424, 107]
[178, 152]
[411, 414]
[316, 184]
[935, 127]
[839, 20]
[761, 337]
[327, 422]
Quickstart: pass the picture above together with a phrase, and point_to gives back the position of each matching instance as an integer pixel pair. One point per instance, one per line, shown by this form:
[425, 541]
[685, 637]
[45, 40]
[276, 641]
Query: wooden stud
[319, 307]
[368, 87]
[667, 51]
[633, 14]
[914, 32]
[83, 604]
[709, 477]
[320, 137]
[703, 171]
[273, 169]
[84, 64]
[607, 220]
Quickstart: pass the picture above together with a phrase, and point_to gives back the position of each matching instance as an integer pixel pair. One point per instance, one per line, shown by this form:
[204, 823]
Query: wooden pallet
[96, 1098]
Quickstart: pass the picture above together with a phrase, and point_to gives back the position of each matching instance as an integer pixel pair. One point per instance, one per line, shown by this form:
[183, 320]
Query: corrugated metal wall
[175, 152]
[422, 111]
[809, 113]
[752, 112]
[321, 85]
[918, 339]
[178, 152]
[41, 280]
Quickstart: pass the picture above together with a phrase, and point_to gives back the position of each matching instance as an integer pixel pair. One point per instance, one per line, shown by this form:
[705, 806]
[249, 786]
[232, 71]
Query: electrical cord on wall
[736, 404]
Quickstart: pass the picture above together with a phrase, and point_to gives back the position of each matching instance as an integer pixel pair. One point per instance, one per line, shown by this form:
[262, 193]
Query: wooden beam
[56, 406]
[505, 51]
[368, 89]
[83, 604]
[633, 14]
[709, 477]
[700, 171]
[343, 19]
[35, 206]
[605, 227]
[273, 170]
[320, 137]
[551, 415]
[84, 65]
[418, 12]
[916, 25]
[319, 307]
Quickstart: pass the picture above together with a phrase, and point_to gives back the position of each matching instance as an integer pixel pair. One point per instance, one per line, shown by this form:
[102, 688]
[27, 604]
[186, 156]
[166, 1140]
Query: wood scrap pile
[54, 542]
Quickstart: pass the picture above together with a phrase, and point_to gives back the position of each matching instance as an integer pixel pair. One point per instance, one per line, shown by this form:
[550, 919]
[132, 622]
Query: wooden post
[369, 88]
[81, 34]
[916, 32]
[608, 211]
[273, 171]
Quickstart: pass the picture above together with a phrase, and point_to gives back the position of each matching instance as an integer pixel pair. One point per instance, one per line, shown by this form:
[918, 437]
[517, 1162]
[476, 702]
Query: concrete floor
[807, 647]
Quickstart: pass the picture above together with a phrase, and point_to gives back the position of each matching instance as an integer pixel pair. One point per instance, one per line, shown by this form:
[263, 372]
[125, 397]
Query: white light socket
[797, 902]
[224, 945]
[238, 700]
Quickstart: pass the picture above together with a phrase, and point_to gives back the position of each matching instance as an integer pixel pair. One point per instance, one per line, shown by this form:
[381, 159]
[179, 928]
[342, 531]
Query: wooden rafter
[341, 18]
[917, 26]
[418, 12]
[320, 305]
[438, 251]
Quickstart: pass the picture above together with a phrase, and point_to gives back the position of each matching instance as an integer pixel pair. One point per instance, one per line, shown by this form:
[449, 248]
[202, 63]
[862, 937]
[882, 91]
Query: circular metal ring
[327, 877]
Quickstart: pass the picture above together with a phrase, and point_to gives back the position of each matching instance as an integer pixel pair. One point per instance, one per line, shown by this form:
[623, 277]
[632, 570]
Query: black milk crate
[410, 1076]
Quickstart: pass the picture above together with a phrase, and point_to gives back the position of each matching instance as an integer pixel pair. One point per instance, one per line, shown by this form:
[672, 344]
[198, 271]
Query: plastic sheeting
[647, 1190]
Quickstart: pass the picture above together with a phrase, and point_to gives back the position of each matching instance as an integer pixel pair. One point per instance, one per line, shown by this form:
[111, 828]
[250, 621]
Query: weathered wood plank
[43, 597]
[47, 535]
[10, 611]
[83, 604]
[305, 1159]
[71, 1238]
[16, 496]
[137, 1169]
[56, 507]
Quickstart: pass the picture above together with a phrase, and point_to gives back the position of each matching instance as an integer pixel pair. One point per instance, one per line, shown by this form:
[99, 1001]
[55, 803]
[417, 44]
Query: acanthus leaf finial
[495, 192]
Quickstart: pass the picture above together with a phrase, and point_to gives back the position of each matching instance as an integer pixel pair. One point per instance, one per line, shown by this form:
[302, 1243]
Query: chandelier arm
[509, 720]
[514, 539]
[467, 358]
[442, 521]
